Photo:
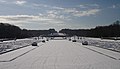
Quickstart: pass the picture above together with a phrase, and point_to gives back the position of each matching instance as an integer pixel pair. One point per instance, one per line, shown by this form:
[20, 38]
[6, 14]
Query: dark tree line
[35, 33]
[11, 32]
[77, 32]
[112, 30]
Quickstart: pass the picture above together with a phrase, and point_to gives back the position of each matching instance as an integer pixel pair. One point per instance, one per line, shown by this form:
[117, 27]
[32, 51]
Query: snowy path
[114, 55]
[61, 54]
[10, 56]
[7, 57]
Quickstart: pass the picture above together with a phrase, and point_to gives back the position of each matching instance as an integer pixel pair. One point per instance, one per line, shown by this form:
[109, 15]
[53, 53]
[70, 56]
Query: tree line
[112, 30]
[11, 31]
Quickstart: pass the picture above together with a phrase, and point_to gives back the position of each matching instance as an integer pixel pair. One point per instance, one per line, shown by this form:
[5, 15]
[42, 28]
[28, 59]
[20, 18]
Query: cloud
[69, 10]
[66, 13]
[94, 5]
[39, 5]
[3, 1]
[47, 6]
[22, 20]
[51, 16]
[20, 2]
[86, 13]
[80, 13]
[16, 2]
[82, 6]
[54, 14]
[114, 6]
[88, 6]
[57, 12]
[60, 8]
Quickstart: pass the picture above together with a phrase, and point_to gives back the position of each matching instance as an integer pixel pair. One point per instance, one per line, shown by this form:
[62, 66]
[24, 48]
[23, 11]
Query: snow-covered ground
[102, 43]
[12, 44]
[61, 54]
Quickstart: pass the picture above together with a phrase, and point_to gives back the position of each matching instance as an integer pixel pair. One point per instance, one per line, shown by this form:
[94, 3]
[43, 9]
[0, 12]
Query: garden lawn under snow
[113, 45]
[11, 45]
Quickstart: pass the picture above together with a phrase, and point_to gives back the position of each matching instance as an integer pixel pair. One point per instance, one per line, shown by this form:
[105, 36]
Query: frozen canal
[60, 54]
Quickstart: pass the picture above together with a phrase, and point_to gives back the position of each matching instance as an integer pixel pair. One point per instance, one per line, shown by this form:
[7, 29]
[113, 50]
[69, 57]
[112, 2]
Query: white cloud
[47, 6]
[39, 5]
[94, 5]
[88, 6]
[53, 15]
[16, 2]
[80, 13]
[86, 13]
[52, 12]
[56, 12]
[82, 6]
[3, 1]
[114, 6]
[59, 8]
[22, 20]
[25, 18]
[69, 10]
[20, 2]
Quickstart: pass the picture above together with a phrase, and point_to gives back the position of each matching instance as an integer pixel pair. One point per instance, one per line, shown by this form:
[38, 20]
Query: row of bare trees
[10, 32]
[112, 30]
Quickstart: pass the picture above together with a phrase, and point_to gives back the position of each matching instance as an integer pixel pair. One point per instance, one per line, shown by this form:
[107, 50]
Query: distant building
[57, 35]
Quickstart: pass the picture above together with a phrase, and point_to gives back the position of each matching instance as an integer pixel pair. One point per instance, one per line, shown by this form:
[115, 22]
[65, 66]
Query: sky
[59, 14]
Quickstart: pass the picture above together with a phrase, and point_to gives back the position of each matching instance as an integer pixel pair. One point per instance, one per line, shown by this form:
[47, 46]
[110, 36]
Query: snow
[61, 54]
[12, 44]
[10, 55]
[115, 55]
[103, 43]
